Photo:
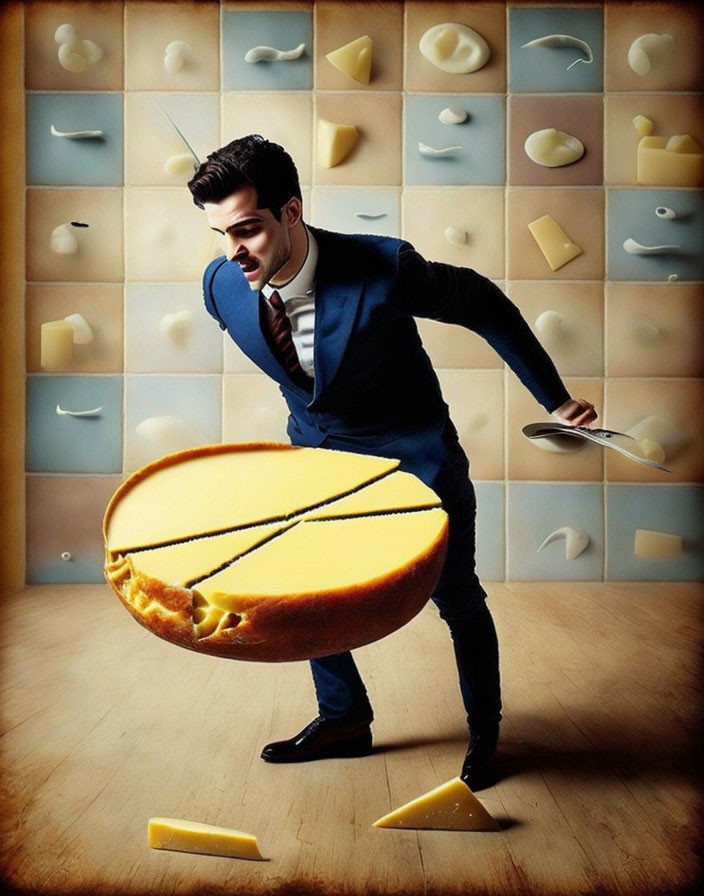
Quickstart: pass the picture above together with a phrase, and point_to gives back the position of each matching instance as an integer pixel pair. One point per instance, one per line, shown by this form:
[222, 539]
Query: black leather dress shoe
[478, 768]
[323, 739]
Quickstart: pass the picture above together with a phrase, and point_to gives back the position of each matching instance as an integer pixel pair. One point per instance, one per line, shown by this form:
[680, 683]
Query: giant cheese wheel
[270, 552]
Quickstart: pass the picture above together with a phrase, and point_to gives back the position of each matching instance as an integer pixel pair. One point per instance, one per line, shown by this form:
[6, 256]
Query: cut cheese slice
[273, 553]
[354, 59]
[335, 142]
[450, 807]
[553, 242]
[205, 839]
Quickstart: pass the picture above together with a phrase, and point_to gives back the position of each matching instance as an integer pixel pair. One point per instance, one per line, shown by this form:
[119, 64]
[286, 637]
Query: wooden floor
[104, 726]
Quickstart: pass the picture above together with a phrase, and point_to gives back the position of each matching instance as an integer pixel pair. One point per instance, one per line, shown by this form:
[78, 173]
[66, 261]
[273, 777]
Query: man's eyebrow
[242, 222]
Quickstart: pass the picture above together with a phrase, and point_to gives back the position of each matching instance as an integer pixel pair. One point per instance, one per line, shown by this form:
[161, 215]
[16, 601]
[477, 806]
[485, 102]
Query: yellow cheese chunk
[335, 142]
[644, 126]
[318, 557]
[450, 807]
[273, 553]
[651, 545]
[354, 59]
[211, 493]
[553, 242]
[670, 162]
[56, 344]
[205, 839]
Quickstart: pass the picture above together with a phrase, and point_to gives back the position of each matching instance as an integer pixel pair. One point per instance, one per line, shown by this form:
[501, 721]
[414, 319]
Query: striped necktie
[280, 329]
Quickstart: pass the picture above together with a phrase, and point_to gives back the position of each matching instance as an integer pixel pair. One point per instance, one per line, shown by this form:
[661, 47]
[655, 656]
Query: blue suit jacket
[375, 390]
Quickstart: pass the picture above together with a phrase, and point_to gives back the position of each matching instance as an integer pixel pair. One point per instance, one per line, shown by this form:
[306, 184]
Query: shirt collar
[303, 284]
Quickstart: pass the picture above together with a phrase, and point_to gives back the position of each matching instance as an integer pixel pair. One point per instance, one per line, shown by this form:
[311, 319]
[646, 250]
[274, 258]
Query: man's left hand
[576, 412]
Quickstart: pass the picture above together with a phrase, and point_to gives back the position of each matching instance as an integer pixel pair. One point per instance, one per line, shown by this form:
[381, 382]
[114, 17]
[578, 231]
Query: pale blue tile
[491, 541]
[62, 443]
[675, 509]
[550, 69]
[357, 210]
[282, 30]
[631, 215]
[537, 510]
[480, 158]
[58, 161]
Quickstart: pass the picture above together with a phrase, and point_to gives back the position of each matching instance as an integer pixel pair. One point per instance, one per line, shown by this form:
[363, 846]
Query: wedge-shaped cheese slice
[450, 807]
[354, 59]
[553, 242]
[335, 142]
[295, 553]
[205, 839]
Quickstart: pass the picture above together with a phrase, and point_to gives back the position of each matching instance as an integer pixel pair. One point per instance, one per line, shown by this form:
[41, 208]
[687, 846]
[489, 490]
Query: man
[356, 378]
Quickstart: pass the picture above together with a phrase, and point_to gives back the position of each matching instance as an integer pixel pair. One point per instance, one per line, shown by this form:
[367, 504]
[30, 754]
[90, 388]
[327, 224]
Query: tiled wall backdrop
[625, 329]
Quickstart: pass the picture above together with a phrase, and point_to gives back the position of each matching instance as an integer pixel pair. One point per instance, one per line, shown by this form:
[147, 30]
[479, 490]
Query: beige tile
[478, 213]
[99, 250]
[100, 23]
[253, 409]
[671, 409]
[579, 212]
[625, 22]
[338, 23]
[376, 159]
[167, 236]
[671, 114]
[528, 459]
[654, 329]
[151, 142]
[452, 346]
[488, 19]
[101, 306]
[284, 118]
[568, 320]
[149, 29]
[476, 402]
[579, 116]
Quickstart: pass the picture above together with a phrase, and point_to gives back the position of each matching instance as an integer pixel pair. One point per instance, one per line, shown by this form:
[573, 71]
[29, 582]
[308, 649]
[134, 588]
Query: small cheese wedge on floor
[205, 839]
[450, 807]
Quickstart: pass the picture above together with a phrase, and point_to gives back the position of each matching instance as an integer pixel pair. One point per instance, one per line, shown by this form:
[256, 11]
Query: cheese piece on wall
[354, 59]
[553, 242]
[670, 162]
[335, 142]
[204, 839]
[450, 807]
[272, 553]
[652, 545]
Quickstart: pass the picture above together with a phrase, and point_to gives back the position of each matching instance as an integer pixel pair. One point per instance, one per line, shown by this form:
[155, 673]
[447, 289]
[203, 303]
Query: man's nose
[234, 248]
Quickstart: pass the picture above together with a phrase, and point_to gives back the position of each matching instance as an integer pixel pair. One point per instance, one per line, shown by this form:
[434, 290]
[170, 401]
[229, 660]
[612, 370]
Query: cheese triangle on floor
[450, 807]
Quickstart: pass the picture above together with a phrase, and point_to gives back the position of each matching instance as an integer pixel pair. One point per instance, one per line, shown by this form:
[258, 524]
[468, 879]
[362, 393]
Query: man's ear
[293, 211]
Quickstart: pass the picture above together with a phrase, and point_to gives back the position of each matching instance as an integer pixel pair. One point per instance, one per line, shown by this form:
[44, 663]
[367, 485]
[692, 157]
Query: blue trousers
[461, 602]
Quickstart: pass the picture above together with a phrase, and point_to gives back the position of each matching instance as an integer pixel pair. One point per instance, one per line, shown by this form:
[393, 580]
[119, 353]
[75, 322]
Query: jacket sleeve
[461, 296]
[209, 290]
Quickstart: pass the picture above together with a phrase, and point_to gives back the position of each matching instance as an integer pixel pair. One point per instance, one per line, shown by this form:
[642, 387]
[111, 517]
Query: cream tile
[452, 346]
[100, 305]
[667, 406]
[100, 23]
[376, 159]
[150, 27]
[167, 236]
[671, 114]
[253, 409]
[284, 118]
[528, 459]
[654, 329]
[579, 212]
[568, 320]
[488, 19]
[338, 23]
[98, 255]
[477, 213]
[624, 23]
[476, 402]
[151, 142]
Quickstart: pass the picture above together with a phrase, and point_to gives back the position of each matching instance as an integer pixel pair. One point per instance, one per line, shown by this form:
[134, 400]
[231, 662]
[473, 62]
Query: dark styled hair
[249, 160]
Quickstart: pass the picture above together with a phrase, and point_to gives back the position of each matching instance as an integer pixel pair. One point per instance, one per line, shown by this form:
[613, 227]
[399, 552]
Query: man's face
[254, 239]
